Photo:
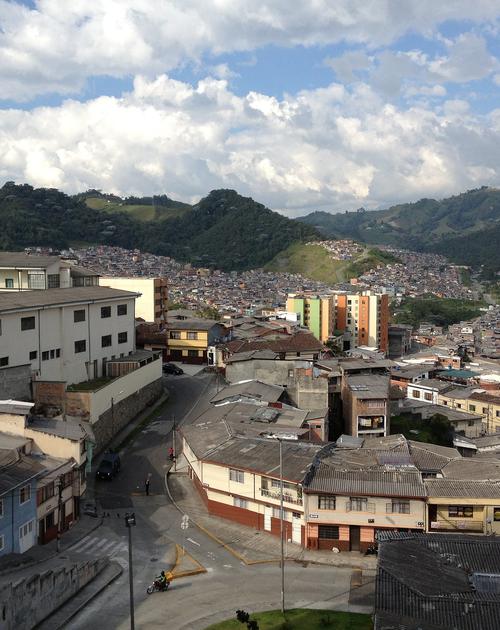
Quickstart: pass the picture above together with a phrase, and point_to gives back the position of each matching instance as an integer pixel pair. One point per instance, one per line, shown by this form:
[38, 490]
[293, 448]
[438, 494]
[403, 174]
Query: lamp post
[174, 446]
[281, 531]
[130, 522]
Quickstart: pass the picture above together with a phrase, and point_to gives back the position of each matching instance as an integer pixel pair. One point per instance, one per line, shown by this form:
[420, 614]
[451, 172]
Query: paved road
[192, 602]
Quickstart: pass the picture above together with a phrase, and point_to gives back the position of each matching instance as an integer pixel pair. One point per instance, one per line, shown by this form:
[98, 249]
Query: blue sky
[337, 104]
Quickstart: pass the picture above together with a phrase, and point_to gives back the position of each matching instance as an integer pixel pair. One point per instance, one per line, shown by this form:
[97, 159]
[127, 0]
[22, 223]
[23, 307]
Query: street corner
[185, 565]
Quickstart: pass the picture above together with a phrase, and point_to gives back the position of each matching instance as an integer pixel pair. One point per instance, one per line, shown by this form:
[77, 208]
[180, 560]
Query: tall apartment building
[151, 305]
[364, 315]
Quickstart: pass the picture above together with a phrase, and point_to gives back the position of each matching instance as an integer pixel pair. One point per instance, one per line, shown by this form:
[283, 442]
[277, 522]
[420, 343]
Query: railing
[287, 498]
[354, 506]
[397, 508]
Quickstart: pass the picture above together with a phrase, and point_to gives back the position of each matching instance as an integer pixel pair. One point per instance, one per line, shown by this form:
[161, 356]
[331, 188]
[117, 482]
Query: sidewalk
[247, 544]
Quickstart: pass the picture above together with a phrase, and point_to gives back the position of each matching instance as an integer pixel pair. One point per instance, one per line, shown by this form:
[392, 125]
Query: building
[24, 272]
[365, 400]
[364, 316]
[475, 400]
[64, 335]
[189, 338]
[151, 304]
[399, 336]
[427, 390]
[437, 582]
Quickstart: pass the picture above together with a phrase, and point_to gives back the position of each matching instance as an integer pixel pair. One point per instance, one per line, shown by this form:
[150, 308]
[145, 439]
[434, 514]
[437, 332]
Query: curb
[200, 569]
[116, 575]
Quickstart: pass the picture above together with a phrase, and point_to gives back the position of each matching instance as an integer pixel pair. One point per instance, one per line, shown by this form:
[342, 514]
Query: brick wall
[50, 393]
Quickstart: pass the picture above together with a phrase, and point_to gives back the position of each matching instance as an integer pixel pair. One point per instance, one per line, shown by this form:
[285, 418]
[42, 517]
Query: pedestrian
[171, 453]
[146, 484]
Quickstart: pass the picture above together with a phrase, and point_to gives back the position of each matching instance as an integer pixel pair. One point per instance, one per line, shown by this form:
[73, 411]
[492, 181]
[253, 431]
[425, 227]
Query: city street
[196, 601]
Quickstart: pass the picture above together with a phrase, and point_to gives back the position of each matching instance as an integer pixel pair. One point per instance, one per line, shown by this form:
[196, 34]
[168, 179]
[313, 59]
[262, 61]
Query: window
[79, 315]
[428, 396]
[67, 479]
[33, 355]
[241, 503]
[461, 511]
[80, 346]
[400, 507]
[105, 341]
[52, 354]
[9, 283]
[472, 407]
[105, 311]
[175, 334]
[36, 280]
[192, 353]
[53, 281]
[45, 355]
[496, 513]
[471, 423]
[121, 309]
[236, 475]
[27, 323]
[290, 373]
[415, 393]
[358, 504]
[192, 335]
[326, 503]
[24, 494]
[58, 353]
[4, 361]
[459, 405]
[122, 337]
[45, 493]
[330, 532]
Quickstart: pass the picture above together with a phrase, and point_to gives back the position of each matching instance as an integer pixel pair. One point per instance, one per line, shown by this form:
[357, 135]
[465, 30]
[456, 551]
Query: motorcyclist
[171, 452]
[164, 580]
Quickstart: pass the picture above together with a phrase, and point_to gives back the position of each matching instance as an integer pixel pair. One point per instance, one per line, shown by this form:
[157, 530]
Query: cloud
[59, 44]
[326, 148]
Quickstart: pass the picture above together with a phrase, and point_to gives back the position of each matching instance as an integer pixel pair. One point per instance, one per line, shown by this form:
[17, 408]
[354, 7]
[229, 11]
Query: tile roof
[462, 489]
[190, 324]
[9, 260]
[431, 457]
[299, 342]
[472, 468]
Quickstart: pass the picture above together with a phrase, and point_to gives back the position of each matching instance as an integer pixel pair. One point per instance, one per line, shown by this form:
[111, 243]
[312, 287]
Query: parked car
[109, 467]
[170, 368]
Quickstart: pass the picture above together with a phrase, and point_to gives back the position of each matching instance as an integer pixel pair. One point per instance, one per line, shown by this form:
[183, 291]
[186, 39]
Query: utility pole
[281, 531]
[173, 444]
[59, 512]
[130, 522]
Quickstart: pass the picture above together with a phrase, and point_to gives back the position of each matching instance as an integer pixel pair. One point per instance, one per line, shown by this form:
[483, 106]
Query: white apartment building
[26, 272]
[151, 306]
[66, 335]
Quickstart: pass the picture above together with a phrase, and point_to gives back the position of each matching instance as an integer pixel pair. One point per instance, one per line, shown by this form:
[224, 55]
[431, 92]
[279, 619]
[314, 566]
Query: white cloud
[328, 148]
[60, 44]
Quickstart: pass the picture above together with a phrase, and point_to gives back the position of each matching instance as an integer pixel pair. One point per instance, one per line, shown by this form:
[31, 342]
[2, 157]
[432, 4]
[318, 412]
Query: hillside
[224, 230]
[313, 261]
[141, 208]
[426, 224]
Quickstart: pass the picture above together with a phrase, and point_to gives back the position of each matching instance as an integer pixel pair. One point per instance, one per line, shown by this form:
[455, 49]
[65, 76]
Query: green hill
[426, 224]
[224, 230]
[313, 261]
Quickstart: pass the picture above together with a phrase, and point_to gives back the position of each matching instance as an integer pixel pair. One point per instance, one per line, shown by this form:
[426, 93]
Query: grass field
[302, 619]
[141, 212]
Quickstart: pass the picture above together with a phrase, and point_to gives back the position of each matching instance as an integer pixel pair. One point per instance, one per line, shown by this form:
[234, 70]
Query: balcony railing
[287, 498]
[355, 506]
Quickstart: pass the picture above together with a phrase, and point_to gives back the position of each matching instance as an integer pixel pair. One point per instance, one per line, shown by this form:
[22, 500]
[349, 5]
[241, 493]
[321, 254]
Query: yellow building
[189, 338]
[479, 403]
[151, 306]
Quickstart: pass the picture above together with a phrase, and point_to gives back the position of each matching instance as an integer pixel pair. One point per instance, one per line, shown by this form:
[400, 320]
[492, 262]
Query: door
[296, 529]
[26, 536]
[354, 537]
[268, 512]
[41, 531]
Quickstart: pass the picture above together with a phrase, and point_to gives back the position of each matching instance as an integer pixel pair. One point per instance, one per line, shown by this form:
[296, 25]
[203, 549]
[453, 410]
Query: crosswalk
[94, 546]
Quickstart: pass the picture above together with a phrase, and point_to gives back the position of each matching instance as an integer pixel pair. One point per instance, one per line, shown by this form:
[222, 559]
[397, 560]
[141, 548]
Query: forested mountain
[224, 230]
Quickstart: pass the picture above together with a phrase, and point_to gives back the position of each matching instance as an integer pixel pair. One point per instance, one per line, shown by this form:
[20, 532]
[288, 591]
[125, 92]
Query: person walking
[146, 484]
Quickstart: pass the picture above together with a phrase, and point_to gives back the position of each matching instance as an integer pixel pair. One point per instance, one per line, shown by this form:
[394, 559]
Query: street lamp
[281, 531]
[130, 522]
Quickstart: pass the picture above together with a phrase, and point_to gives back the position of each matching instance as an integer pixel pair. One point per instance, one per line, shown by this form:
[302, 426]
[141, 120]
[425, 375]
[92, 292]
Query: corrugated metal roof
[251, 389]
[17, 473]
[472, 468]
[462, 489]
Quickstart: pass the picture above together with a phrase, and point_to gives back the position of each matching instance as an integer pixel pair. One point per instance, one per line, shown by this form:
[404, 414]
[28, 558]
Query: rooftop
[18, 472]
[249, 389]
[9, 260]
[368, 385]
[462, 489]
[26, 300]
[193, 323]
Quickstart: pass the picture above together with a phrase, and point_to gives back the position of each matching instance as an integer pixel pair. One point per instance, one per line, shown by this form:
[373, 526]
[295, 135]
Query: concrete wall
[26, 603]
[15, 382]
[144, 305]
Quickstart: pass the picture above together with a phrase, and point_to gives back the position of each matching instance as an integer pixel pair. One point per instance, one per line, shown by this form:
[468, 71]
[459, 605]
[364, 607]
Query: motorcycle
[372, 551]
[157, 586]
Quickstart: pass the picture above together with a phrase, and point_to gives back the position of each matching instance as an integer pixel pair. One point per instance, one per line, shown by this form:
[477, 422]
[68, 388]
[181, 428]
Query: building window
[428, 396]
[236, 475]
[45, 493]
[33, 355]
[79, 315]
[105, 341]
[9, 283]
[400, 507]
[24, 494]
[45, 355]
[36, 281]
[192, 335]
[461, 511]
[277, 513]
[52, 354]
[53, 281]
[471, 423]
[496, 513]
[58, 352]
[122, 337]
[241, 503]
[326, 503]
[415, 393]
[121, 309]
[175, 334]
[459, 405]
[27, 323]
[192, 353]
[472, 407]
[80, 346]
[4, 361]
[358, 504]
[105, 311]
[330, 532]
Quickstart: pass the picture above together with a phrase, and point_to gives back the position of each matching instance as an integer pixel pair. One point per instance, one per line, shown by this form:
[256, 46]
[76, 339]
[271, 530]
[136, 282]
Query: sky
[308, 105]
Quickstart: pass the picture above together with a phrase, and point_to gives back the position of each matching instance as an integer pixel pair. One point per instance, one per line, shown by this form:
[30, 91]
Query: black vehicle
[109, 466]
[170, 368]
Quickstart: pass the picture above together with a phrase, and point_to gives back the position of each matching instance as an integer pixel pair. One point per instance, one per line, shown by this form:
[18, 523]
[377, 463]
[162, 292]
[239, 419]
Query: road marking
[194, 542]
[227, 566]
[80, 543]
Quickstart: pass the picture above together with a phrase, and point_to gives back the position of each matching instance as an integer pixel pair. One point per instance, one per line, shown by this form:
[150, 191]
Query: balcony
[355, 506]
[287, 498]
